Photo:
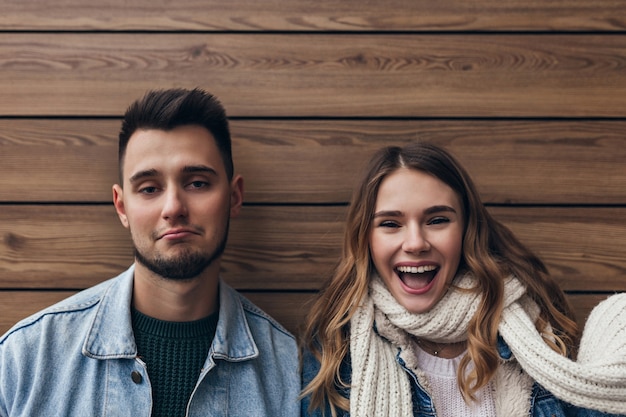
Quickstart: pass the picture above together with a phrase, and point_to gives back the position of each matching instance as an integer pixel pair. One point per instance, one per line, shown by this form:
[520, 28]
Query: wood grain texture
[17, 305]
[288, 247]
[584, 303]
[530, 95]
[318, 161]
[321, 15]
[320, 75]
[289, 309]
[582, 247]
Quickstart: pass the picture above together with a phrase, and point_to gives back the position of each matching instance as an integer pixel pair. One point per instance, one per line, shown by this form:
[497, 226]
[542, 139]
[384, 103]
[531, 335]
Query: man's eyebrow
[190, 169]
[148, 173]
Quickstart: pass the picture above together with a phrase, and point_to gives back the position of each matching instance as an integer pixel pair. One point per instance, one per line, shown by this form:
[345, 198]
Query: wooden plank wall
[530, 95]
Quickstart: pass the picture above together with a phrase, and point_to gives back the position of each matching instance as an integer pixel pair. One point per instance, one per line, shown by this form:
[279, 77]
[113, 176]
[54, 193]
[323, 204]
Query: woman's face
[416, 238]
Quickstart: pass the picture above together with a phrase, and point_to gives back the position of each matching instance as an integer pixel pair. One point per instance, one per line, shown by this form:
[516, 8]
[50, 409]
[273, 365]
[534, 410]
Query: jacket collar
[503, 349]
[233, 339]
[110, 335]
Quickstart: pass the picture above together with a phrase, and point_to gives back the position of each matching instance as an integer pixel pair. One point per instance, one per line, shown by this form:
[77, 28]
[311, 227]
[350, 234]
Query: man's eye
[148, 190]
[198, 184]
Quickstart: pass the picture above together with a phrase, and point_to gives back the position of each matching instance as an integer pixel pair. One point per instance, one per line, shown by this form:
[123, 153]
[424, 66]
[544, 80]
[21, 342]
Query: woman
[437, 309]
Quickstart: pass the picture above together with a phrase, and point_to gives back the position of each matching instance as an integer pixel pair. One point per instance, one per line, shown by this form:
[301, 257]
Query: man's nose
[174, 205]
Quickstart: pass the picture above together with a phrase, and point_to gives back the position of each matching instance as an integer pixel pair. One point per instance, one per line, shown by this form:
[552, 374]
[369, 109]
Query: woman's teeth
[417, 277]
[416, 269]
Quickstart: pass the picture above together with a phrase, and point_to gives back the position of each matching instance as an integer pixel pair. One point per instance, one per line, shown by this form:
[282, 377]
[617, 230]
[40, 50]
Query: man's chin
[176, 272]
[183, 267]
[185, 264]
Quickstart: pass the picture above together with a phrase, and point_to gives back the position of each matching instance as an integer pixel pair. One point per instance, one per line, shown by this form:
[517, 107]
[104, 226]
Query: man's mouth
[177, 233]
[417, 277]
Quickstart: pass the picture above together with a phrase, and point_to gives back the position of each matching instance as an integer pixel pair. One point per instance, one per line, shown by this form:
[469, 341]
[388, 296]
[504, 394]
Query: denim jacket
[543, 403]
[78, 358]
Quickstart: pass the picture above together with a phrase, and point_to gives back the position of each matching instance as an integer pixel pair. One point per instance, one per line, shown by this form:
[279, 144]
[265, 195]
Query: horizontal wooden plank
[304, 15]
[320, 75]
[584, 248]
[77, 246]
[287, 247]
[288, 308]
[16, 305]
[318, 161]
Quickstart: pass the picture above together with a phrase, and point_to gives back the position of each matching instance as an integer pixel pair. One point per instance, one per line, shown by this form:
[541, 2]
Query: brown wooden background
[530, 95]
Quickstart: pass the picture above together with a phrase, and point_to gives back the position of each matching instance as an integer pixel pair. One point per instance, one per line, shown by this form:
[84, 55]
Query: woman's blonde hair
[490, 252]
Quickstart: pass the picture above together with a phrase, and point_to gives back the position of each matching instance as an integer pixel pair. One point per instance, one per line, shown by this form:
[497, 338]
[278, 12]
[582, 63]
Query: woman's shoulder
[310, 368]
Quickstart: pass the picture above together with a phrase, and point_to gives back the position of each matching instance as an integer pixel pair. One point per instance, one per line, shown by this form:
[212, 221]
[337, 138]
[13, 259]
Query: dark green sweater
[174, 354]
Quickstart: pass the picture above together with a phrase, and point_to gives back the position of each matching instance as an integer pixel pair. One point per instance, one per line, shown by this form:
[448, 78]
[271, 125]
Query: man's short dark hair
[169, 109]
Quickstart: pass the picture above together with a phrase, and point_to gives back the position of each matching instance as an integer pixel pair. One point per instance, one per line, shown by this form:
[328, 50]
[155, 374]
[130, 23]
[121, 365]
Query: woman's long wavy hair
[490, 252]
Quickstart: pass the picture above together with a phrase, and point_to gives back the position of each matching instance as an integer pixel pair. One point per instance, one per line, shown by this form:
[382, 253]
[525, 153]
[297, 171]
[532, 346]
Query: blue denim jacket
[78, 358]
[543, 403]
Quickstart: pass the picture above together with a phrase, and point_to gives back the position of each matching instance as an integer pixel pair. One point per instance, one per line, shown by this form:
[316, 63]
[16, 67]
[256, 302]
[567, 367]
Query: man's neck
[173, 300]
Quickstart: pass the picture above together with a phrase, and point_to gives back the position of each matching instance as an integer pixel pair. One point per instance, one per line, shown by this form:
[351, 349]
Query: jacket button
[136, 377]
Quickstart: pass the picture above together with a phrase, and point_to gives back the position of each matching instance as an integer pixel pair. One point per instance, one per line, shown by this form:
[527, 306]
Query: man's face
[176, 200]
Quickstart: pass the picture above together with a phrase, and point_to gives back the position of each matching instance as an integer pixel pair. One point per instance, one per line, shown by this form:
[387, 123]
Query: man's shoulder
[80, 303]
[257, 317]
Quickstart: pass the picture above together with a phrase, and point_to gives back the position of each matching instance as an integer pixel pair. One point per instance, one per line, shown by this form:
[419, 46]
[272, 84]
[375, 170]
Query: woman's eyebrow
[438, 209]
[429, 210]
[388, 213]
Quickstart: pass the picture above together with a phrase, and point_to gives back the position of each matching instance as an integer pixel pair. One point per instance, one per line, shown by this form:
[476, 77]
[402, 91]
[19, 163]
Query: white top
[445, 392]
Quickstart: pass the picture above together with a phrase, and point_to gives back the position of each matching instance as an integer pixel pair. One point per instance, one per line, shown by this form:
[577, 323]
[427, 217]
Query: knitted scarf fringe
[380, 387]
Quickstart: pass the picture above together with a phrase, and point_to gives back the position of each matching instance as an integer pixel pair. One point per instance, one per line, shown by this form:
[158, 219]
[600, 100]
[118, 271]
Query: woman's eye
[439, 220]
[388, 223]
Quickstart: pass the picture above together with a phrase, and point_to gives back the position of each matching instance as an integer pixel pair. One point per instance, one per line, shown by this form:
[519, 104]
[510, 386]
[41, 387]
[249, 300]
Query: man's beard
[185, 266]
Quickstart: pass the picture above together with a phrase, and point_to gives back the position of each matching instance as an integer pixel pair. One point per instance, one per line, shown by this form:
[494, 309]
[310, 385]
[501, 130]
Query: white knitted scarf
[380, 387]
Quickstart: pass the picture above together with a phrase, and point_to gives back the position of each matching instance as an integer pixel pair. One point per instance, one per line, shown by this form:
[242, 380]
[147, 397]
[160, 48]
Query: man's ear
[236, 195]
[118, 202]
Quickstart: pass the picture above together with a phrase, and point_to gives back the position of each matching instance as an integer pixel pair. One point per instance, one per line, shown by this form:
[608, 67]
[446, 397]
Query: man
[167, 337]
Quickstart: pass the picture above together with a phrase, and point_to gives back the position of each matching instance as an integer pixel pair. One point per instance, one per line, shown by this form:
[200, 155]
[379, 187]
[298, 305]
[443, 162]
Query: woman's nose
[415, 241]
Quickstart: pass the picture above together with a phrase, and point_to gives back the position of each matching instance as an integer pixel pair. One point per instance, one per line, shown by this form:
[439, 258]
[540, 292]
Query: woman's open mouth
[417, 277]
